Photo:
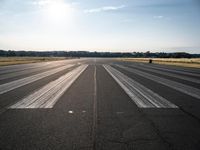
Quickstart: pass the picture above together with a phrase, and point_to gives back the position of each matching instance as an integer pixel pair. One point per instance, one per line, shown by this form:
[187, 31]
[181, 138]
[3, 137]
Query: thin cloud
[103, 9]
[158, 17]
[41, 2]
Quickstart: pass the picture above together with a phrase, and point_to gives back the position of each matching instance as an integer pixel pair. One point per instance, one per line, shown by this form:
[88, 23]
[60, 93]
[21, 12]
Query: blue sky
[106, 25]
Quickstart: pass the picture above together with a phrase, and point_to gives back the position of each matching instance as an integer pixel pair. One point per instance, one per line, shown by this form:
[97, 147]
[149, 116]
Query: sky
[101, 25]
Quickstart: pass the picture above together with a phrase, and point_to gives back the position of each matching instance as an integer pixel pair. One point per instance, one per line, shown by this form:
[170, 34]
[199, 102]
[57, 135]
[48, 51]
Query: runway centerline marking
[142, 96]
[94, 126]
[48, 95]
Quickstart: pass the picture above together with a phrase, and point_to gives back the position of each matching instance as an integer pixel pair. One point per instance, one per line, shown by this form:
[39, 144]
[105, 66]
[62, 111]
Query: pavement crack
[157, 131]
[190, 114]
[127, 142]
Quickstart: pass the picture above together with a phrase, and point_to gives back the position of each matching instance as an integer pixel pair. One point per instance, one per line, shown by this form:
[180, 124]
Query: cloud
[165, 4]
[41, 2]
[103, 9]
[158, 17]
[47, 2]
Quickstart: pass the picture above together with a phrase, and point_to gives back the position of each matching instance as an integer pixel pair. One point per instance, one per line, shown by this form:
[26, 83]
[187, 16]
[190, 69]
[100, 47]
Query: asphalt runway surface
[99, 104]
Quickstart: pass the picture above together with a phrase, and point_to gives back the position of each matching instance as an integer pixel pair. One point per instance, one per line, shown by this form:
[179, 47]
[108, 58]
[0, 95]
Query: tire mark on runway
[21, 82]
[194, 92]
[47, 96]
[143, 97]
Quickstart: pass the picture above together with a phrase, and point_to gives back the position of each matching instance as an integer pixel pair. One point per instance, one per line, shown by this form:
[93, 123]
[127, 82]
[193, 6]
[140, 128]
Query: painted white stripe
[25, 72]
[170, 74]
[21, 67]
[47, 96]
[183, 72]
[21, 82]
[143, 97]
[194, 92]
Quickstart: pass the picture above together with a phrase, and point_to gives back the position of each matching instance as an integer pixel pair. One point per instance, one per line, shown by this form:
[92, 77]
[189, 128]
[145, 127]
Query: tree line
[148, 54]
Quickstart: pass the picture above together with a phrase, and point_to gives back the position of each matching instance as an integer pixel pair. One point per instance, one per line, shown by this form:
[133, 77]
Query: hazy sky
[101, 25]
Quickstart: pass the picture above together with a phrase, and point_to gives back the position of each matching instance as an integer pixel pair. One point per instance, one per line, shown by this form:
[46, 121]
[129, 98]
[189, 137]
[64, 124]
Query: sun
[58, 10]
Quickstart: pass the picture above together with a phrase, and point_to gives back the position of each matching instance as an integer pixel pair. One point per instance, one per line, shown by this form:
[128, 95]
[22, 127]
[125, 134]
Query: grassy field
[185, 62]
[4, 61]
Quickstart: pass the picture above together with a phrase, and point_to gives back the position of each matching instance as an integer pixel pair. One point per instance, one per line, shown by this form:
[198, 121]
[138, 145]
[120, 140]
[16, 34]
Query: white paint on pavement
[194, 92]
[47, 96]
[170, 74]
[21, 82]
[143, 97]
[70, 112]
[29, 71]
[182, 72]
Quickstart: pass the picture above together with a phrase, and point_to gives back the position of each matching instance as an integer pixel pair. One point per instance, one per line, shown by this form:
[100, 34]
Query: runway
[99, 104]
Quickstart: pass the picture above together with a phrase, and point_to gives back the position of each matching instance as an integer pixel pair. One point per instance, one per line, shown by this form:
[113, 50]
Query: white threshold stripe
[31, 70]
[47, 96]
[174, 71]
[21, 82]
[13, 68]
[169, 74]
[186, 89]
[142, 96]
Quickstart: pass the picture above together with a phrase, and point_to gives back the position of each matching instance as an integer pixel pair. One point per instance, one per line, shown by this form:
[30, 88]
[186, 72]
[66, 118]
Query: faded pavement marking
[142, 96]
[47, 96]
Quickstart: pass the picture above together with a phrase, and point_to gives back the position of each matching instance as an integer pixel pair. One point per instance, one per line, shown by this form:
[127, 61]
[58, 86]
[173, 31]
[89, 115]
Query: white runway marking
[174, 71]
[171, 75]
[47, 96]
[143, 97]
[70, 112]
[194, 92]
[21, 67]
[21, 82]
[94, 125]
[29, 71]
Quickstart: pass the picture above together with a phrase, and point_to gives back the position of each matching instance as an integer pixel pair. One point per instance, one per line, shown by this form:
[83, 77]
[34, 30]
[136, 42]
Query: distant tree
[96, 54]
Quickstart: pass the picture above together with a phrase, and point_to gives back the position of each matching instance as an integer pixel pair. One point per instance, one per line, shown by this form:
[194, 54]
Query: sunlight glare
[58, 10]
